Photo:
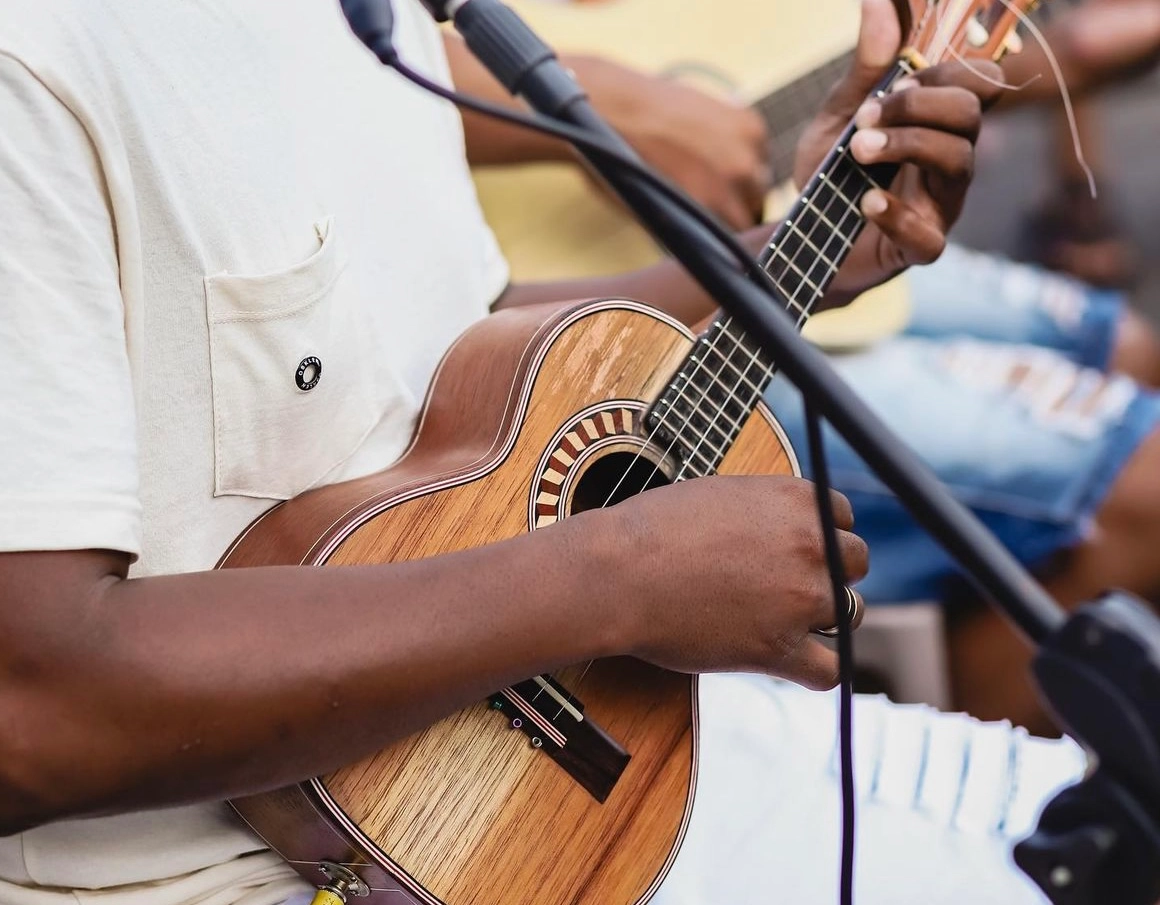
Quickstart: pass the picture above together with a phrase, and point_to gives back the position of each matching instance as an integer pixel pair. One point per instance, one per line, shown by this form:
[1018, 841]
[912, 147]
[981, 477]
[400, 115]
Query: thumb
[879, 40]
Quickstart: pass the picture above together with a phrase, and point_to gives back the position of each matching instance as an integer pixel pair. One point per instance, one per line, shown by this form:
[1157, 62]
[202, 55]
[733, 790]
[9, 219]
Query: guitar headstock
[945, 29]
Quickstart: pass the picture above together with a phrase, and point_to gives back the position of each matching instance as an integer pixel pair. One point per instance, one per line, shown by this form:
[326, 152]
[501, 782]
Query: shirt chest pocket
[295, 386]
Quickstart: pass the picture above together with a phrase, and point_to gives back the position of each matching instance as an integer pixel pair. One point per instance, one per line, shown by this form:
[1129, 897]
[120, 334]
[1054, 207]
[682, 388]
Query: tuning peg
[1013, 43]
[977, 34]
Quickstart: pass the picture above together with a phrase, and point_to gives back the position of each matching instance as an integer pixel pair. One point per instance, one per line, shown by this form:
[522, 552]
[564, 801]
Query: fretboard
[703, 409]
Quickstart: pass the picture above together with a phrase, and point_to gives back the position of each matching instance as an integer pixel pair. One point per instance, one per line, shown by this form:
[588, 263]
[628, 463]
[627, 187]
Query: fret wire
[705, 416]
[689, 465]
[753, 356]
[756, 389]
[795, 226]
[817, 201]
[838, 229]
[836, 235]
[741, 339]
[789, 294]
[816, 212]
[778, 253]
[689, 369]
[750, 354]
[790, 290]
[793, 303]
[822, 268]
[721, 328]
[683, 445]
[851, 169]
[852, 172]
[818, 256]
[836, 232]
[695, 453]
[752, 387]
[710, 465]
[837, 194]
[828, 195]
[711, 347]
[846, 175]
[809, 204]
[857, 172]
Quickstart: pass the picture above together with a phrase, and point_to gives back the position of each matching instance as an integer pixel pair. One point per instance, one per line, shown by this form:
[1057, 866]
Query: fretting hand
[929, 126]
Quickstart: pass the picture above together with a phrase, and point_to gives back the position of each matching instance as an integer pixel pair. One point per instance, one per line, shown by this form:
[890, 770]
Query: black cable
[586, 139]
[821, 478]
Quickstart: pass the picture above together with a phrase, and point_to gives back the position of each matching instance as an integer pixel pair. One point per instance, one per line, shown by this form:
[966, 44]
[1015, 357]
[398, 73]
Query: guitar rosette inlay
[597, 458]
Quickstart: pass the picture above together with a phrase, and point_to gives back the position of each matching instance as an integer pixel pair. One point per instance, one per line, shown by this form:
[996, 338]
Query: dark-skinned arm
[121, 694]
[713, 148]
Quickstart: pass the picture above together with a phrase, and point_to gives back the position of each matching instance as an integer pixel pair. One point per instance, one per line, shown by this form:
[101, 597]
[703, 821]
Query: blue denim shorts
[1000, 384]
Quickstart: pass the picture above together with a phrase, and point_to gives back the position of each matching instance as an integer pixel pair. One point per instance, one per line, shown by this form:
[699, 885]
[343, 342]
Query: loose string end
[1065, 94]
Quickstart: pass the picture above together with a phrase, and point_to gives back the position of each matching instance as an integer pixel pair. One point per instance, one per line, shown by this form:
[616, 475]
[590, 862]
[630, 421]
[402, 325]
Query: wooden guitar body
[533, 414]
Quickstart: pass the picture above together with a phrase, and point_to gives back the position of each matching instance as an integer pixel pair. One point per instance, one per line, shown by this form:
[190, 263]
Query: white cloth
[199, 195]
[941, 800]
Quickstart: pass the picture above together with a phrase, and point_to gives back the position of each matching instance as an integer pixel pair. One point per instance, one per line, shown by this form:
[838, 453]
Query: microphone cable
[821, 474]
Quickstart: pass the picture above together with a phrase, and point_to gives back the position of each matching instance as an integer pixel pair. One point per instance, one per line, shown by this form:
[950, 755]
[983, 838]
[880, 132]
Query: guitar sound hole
[603, 479]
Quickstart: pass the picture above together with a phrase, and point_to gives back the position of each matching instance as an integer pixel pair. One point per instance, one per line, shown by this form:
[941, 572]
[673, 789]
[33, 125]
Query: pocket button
[308, 374]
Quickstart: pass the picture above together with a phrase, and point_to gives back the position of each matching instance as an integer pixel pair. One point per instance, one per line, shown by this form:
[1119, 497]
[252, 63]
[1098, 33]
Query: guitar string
[832, 267]
[722, 327]
[1065, 92]
[832, 234]
[788, 112]
[804, 283]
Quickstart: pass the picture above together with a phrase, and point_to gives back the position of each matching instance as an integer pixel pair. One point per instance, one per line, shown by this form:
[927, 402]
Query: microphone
[373, 22]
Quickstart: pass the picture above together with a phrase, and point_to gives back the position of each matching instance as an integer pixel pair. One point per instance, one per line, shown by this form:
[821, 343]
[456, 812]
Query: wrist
[608, 598]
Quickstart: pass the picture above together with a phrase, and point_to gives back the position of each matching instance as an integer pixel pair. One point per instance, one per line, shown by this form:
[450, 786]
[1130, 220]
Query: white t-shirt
[206, 204]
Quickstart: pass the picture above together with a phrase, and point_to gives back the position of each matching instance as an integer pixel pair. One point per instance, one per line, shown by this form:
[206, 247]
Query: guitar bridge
[554, 720]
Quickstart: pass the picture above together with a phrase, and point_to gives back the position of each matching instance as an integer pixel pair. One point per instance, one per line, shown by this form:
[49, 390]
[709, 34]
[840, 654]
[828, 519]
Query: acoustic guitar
[572, 789]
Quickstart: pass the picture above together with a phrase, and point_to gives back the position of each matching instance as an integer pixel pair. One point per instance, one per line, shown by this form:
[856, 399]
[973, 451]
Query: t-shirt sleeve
[67, 416]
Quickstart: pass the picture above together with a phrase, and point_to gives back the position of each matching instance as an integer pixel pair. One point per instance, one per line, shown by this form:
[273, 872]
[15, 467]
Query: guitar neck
[788, 110]
[720, 383]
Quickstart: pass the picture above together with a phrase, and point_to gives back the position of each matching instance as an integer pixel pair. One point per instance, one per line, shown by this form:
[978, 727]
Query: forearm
[665, 285]
[211, 685]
